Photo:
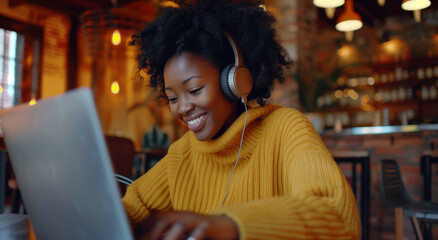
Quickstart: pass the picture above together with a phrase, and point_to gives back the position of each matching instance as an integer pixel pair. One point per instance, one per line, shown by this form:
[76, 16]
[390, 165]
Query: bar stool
[427, 159]
[395, 195]
[363, 158]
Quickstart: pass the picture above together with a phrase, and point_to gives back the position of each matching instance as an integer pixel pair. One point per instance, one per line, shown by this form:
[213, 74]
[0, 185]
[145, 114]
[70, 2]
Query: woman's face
[193, 89]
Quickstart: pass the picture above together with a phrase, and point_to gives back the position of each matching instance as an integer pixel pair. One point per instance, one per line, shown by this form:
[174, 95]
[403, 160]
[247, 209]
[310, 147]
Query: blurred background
[358, 63]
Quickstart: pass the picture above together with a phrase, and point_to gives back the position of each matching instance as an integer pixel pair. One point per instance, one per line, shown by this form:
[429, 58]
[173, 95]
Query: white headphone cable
[238, 156]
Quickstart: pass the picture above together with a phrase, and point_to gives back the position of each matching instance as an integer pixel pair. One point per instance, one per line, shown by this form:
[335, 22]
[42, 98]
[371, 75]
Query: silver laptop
[58, 153]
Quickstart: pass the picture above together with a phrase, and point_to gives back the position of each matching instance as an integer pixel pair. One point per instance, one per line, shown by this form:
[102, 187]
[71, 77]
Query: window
[11, 55]
[20, 58]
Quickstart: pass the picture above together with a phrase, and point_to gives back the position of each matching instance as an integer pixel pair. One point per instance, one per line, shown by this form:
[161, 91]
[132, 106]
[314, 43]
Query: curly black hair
[198, 27]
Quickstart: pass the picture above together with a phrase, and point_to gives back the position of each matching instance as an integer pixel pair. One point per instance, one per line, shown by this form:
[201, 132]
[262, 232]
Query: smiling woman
[263, 173]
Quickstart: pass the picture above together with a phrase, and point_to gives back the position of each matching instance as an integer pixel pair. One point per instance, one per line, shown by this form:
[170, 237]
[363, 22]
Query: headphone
[236, 83]
[236, 80]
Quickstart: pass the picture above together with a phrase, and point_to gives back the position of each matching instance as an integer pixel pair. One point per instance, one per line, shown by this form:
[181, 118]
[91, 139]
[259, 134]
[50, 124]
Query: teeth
[196, 120]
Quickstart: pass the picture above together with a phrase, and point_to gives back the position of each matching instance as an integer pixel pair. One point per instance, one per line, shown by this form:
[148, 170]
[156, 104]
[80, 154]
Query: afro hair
[198, 27]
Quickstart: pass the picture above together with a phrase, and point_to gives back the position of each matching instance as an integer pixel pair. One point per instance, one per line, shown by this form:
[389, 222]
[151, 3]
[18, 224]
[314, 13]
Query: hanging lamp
[349, 20]
[416, 6]
[329, 6]
[381, 2]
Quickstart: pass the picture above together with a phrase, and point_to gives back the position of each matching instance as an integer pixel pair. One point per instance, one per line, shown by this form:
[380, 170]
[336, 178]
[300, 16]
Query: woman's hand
[187, 225]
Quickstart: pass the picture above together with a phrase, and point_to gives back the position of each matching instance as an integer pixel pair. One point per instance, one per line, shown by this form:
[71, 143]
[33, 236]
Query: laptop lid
[58, 153]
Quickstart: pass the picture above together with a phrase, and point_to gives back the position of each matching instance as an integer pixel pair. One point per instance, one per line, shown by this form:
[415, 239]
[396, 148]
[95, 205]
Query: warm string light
[116, 38]
[115, 88]
[351, 93]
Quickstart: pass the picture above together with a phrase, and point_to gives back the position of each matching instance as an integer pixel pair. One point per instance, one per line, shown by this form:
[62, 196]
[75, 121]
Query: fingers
[177, 225]
[175, 232]
[161, 224]
[171, 225]
[199, 232]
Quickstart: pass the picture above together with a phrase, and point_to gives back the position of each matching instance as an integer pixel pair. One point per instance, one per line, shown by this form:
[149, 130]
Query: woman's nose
[185, 107]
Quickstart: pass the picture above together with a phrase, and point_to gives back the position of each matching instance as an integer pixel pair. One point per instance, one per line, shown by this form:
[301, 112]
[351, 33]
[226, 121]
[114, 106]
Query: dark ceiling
[71, 7]
[372, 14]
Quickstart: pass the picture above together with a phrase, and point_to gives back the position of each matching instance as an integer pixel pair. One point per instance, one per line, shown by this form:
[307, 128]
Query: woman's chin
[203, 135]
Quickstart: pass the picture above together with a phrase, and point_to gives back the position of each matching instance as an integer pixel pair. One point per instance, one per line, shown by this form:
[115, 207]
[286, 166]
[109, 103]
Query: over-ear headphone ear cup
[224, 83]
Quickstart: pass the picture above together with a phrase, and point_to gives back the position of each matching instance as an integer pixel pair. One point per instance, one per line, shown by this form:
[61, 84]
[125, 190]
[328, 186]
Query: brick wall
[296, 27]
[407, 149]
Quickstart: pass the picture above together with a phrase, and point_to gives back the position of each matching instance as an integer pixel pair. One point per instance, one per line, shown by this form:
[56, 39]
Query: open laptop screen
[58, 153]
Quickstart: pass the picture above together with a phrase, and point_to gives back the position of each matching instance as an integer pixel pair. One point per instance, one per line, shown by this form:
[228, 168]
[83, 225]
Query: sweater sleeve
[150, 191]
[317, 203]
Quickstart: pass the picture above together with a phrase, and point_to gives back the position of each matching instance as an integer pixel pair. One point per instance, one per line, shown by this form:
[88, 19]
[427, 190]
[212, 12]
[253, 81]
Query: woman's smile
[197, 123]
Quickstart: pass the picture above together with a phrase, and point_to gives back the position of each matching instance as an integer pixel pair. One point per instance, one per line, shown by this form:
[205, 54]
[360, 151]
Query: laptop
[59, 156]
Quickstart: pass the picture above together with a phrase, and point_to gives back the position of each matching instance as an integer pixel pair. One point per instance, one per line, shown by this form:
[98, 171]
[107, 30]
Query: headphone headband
[238, 59]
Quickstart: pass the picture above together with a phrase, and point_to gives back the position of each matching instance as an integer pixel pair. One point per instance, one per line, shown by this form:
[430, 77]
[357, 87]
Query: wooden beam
[58, 6]
[72, 55]
[70, 7]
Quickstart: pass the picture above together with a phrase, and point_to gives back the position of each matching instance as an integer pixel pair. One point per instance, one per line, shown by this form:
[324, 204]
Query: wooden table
[15, 227]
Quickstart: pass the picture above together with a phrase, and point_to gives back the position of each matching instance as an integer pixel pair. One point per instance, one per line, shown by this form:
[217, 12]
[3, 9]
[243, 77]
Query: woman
[257, 174]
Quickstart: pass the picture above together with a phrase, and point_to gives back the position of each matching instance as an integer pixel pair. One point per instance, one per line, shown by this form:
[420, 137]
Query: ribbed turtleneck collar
[229, 141]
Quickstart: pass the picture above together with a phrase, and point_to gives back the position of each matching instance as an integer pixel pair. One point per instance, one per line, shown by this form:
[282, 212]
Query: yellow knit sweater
[285, 186]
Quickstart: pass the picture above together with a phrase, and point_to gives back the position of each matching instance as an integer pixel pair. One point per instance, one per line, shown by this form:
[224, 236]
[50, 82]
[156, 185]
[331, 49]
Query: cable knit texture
[285, 186]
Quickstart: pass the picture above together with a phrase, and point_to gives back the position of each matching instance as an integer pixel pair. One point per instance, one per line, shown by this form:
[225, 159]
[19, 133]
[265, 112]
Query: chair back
[393, 189]
[122, 153]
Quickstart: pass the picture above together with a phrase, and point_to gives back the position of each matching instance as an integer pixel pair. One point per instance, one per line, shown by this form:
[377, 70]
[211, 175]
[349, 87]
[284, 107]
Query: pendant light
[349, 20]
[411, 5]
[329, 6]
[381, 2]
[416, 6]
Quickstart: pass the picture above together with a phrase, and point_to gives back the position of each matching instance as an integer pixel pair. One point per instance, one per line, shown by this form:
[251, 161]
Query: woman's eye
[196, 90]
[173, 100]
